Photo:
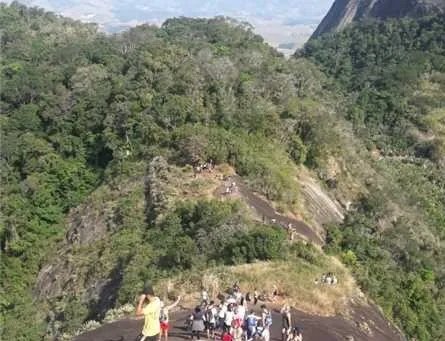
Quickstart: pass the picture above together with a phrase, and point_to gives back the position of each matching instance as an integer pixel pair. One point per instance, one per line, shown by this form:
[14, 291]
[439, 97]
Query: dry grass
[294, 279]
[295, 282]
[184, 184]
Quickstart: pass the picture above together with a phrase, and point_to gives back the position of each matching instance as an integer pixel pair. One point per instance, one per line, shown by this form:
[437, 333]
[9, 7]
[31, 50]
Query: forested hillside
[81, 110]
[393, 74]
[106, 128]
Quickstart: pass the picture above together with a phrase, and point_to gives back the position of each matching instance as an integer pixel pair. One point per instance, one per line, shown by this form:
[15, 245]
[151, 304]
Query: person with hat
[151, 313]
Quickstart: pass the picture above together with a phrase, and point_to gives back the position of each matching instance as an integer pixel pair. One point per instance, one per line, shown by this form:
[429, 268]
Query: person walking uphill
[151, 313]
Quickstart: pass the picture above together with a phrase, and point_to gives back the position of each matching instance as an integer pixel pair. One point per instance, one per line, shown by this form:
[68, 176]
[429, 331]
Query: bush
[349, 258]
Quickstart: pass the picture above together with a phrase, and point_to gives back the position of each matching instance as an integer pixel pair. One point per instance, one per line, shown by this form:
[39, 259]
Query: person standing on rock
[255, 296]
[197, 323]
[211, 315]
[151, 313]
[228, 319]
[274, 293]
[266, 319]
[251, 325]
[163, 319]
[204, 297]
[286, 322]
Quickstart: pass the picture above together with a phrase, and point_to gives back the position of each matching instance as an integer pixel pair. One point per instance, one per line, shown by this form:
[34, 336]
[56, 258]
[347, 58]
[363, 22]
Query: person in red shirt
[227, 337]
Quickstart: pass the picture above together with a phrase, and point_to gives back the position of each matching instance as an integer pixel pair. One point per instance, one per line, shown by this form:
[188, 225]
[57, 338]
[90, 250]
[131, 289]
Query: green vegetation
[393, 75]
[82, 110]
[294, 276]
[105, 127]
[381, 65]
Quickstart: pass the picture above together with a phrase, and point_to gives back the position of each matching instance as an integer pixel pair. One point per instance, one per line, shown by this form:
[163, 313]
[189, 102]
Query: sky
[288, 22]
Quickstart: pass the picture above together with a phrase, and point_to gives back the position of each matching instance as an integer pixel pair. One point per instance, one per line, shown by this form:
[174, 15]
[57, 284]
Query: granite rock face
[344, 12]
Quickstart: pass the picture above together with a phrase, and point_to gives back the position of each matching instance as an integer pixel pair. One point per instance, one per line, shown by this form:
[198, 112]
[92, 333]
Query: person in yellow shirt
[151, 313]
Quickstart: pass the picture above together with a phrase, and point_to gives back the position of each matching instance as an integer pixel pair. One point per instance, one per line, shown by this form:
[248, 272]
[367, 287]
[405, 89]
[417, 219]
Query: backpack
[227, 337]
[251, 321]
[209, 315]
[236, 323]
[162, 316]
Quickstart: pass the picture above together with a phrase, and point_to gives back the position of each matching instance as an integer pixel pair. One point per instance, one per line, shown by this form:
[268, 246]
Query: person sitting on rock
[329, 278]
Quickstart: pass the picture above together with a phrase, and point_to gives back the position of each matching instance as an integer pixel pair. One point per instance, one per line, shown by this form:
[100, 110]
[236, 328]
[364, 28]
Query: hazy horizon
[289, 22]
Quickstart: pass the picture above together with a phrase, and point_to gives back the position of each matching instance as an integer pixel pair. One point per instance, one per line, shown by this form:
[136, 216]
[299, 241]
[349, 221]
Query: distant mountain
[277, 21]
[343, 12]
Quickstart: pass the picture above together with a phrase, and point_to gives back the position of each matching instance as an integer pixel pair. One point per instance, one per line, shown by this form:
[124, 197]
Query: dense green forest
[393, 74]
[81, 110]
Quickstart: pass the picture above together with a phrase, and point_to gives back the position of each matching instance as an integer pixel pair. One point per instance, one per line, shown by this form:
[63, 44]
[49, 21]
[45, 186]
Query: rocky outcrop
[320, 206]
[72, 271]
[344, 12]
[86, 224]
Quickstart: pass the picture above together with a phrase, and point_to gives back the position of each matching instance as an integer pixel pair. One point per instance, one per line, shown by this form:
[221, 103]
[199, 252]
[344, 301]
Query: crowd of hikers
[233, 318]
[327, 279]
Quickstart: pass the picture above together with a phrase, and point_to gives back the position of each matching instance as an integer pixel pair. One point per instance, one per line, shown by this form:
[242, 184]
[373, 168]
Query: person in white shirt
[231, 300]
[210, 319]
[204, 296]
[228, 318]
[241, 309]
[164, 318]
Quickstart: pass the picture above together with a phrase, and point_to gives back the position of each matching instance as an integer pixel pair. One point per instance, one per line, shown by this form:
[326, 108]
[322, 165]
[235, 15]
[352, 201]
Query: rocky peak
[344, 12]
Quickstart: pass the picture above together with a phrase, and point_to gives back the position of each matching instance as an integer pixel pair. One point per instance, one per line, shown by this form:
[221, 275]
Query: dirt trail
[315, 328]
[268, 213]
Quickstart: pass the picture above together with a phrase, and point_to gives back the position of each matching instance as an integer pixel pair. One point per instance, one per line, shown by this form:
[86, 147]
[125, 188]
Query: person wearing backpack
[251, 325]
[163, 318]
[237, 330]
[210, 319]
[198, 326]
[241, 309]
[227, 337]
